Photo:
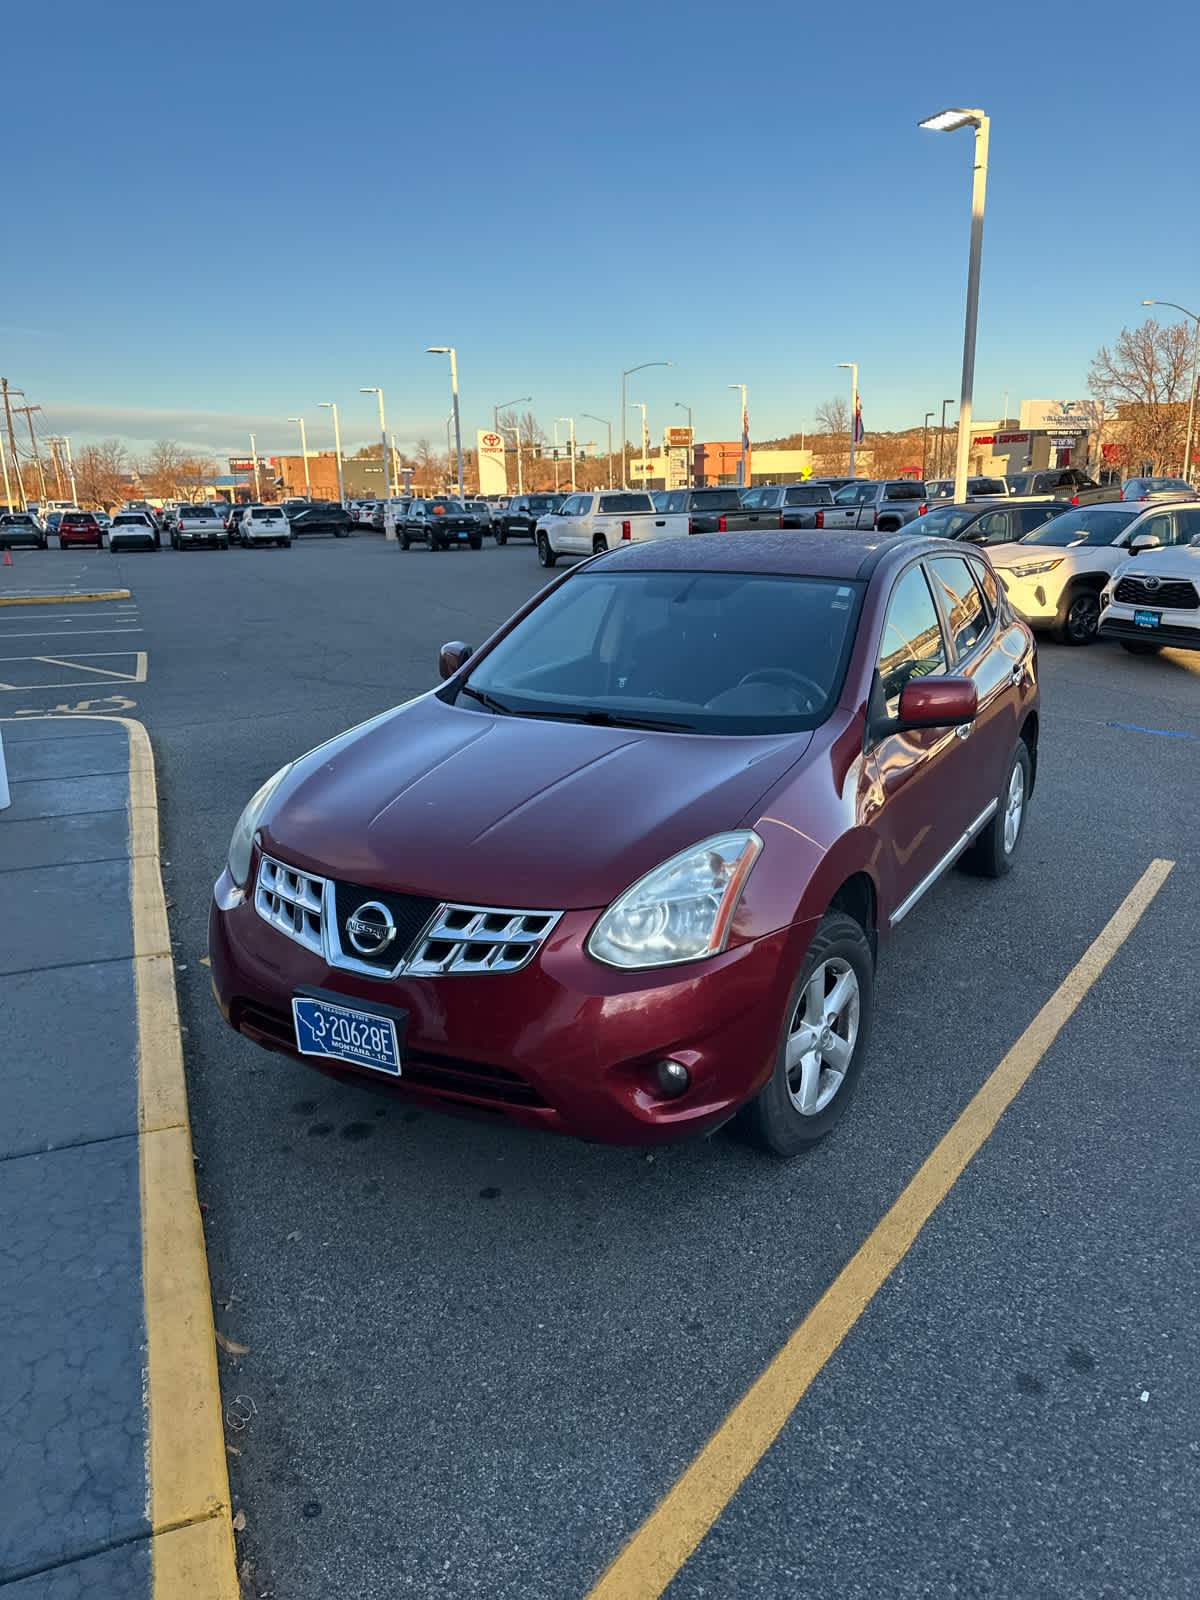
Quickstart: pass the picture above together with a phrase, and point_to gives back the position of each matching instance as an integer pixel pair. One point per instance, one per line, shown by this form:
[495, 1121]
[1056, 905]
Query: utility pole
[8, 505]
[29, 410]
[58, 477]
[12, 444]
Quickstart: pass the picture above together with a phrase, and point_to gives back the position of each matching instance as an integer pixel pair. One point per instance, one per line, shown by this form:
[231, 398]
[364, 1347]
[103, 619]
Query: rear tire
[546, 556]
[995, 849]
[599, 545]
[501, 536]
[834, 1020]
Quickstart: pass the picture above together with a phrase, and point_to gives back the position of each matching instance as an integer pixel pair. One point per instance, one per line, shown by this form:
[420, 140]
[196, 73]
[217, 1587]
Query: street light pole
[71, 464]
[743, 459]
[853, 365]
[925, 443]
[389, 514]
[624, 409]
[449, 350]
[571, 421]
[337, 448]
[254, 466]
[1187, 449]
[942, 435]
[304, 453]
[608, 425]
[948, 122]
[692, 444]
[1007, 392]
[522, 399]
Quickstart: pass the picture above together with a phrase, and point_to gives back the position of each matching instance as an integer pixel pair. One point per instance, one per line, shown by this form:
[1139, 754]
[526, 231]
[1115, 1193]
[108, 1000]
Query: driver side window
[912, 645]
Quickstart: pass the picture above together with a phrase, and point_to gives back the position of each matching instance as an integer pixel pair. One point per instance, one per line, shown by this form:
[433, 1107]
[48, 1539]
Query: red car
[626, 871]
[80, 527]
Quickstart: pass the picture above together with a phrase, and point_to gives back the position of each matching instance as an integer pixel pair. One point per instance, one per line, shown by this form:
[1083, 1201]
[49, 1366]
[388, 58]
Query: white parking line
[68, 633]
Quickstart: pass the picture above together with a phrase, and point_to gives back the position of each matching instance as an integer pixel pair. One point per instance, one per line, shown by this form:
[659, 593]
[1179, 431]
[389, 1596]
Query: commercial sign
[1063, 416]
[999, 438]
[678, 438]
[493, 475]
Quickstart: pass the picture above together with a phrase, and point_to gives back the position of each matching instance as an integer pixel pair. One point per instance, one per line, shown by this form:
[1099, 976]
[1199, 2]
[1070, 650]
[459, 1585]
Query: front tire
[995, 849]
[546, 556]
[1081, 619]
[824, 1039]
[501, 536]
[477, 544]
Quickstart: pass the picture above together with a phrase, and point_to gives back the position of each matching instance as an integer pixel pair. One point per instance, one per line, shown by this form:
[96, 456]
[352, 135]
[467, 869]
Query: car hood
[1177, 561]
[510, 811]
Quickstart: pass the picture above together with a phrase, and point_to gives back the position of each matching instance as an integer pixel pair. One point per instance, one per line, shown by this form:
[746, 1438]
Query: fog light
[672, 1076]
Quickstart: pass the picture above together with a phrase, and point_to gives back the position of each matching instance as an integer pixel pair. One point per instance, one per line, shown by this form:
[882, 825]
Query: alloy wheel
[1014, 808]
[822, 1036]
[1083, 617]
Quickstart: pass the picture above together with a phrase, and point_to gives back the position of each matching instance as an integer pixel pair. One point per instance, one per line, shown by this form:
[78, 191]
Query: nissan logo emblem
[370, 929]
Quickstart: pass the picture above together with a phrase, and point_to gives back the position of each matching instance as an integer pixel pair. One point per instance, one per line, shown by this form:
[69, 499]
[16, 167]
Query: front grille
[1173, 594]
[292, 902]
[410, 913]
[433, 938]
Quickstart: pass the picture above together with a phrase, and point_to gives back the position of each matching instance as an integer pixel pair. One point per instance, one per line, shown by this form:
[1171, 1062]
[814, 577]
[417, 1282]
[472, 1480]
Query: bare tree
[194, 480]
[833, 416]
[101, 474]
[161, 468]
[1145, 377]
[895, 454]
[831, 443]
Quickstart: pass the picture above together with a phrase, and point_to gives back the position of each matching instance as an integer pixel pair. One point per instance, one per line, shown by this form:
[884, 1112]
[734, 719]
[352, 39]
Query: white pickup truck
[587, 524]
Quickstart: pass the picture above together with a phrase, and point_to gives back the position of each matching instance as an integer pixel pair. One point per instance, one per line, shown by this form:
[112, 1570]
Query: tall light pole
[389, 515]
[254, 465]
[691, 442]
[608, 425]
[8, 505]
[853, 366]
[66, 439]
[925, 443]
[304, 453]
[948, 122]
[521, 400]
[1187, 449]
[571, 421]
[1007, 392]
[337, 447]
[744, 458]
[624, 441]
[448, 350]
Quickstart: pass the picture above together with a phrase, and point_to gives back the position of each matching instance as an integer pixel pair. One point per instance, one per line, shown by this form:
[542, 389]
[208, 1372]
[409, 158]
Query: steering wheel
[812, 691]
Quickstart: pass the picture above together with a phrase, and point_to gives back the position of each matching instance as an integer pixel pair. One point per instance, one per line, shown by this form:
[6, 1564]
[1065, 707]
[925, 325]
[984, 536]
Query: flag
[859, 430]
[744, 462]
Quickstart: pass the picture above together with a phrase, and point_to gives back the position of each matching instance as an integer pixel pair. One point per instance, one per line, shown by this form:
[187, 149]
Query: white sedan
[265, 525]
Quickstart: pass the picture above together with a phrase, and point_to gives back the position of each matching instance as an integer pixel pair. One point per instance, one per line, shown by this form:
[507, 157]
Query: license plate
[343, 1033]
[463, 534]
[1147, 619]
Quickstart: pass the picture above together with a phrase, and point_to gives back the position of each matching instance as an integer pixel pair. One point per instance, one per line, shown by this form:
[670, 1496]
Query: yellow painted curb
[61, 599]
[188, 1492]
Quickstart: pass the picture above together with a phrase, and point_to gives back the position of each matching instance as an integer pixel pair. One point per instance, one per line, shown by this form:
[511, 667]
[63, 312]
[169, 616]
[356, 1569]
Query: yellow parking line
[665, 1541]
[61, 599]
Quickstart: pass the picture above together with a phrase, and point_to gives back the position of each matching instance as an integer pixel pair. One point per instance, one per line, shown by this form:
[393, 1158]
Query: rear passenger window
[986, 579]
[962, 601]
[912, 645]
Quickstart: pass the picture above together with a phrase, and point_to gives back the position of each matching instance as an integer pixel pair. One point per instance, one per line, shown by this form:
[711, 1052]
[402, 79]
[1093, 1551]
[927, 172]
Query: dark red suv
[626, 872]
[80, 527]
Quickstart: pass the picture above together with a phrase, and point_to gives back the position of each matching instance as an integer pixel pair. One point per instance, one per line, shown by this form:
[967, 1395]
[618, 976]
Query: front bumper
[1035, 598]
[566, 1044]
[1177, 629]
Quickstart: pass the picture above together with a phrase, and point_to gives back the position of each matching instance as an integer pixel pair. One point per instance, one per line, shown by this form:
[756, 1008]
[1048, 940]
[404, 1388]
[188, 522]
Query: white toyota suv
[1056, 574]
[1153, 600]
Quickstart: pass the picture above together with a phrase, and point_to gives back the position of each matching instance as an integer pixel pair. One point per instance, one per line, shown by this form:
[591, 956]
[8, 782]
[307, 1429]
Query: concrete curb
[62, 599]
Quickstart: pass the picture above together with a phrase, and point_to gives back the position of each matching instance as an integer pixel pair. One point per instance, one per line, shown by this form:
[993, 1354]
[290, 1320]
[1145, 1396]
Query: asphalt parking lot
[475, 1359]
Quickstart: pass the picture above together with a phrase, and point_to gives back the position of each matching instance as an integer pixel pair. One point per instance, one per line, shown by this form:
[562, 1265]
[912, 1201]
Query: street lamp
[608, 425]
[1007, 392]
[624, 441]
[942, 436]
[853, 366]
[521, 400]
[925, 443]
[570, 420]
[448, 350]
[337, 447]
[304, 453]
[389, 514]
[743, 459]
[691, 443]
[948, 122]
[1187, 449]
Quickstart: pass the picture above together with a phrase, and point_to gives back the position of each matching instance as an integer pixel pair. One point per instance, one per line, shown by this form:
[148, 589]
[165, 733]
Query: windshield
[130, 520]
[688, 652]
[544, 502]
[1090, 525]
[715, 500]
[1156, 485]
[945, 523]
[816, 495]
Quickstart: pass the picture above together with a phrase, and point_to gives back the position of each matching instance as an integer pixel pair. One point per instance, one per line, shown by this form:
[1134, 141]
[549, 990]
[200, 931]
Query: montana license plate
[343, 1033]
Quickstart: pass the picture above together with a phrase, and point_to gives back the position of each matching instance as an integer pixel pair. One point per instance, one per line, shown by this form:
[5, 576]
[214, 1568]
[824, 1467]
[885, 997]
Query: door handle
[963, 730]
[1018, 672]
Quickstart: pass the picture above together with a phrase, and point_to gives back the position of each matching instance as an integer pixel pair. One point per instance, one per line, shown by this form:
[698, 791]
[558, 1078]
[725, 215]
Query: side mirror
[937, 703]
[452, 656]
[1146, 541]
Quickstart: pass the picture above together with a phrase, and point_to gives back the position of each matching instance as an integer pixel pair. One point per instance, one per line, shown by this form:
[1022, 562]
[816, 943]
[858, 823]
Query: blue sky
[232, 213]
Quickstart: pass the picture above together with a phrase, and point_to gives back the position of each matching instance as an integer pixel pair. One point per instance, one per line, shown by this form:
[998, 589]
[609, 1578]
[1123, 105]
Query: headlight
[242, 842]
[682, 910]
[1034, 567]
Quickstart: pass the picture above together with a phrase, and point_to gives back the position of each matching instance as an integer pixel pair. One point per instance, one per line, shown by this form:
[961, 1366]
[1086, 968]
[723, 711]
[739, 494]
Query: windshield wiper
[489, 702]
[609, 719]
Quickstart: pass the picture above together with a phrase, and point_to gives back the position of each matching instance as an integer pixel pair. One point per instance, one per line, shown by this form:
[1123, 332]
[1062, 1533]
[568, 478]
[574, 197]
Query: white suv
[1055, 576]
[1153, 600]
